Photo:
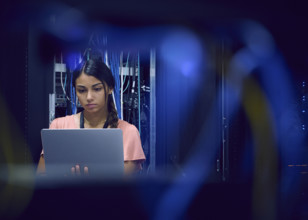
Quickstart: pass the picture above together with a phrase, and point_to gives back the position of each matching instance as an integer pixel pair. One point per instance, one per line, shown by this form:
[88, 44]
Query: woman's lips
[91, 105]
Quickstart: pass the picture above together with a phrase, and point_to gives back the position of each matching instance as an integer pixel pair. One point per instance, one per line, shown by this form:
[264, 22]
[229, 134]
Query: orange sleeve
[132, 144]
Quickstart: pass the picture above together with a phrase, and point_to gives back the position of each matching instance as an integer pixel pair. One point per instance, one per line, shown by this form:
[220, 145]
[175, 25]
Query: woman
[94, 84]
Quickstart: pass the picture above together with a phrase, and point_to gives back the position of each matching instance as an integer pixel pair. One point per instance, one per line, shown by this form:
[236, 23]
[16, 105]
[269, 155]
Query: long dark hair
[98, 69]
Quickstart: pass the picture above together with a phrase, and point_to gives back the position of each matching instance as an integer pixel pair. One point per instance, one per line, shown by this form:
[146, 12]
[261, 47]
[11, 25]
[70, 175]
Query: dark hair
[98, 69]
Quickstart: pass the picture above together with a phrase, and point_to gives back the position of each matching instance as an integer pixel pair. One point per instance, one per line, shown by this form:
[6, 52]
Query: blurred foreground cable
[15, 194]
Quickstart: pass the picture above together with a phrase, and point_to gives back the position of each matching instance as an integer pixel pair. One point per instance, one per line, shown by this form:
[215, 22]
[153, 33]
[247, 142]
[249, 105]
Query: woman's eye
[81, 90]
[97, 89]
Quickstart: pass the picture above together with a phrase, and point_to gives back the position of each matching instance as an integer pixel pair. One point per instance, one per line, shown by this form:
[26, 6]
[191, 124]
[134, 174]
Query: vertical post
[152, 111]
[51, 107]
[52, 97]
[122, 83]
[138, 72]
[224, 125]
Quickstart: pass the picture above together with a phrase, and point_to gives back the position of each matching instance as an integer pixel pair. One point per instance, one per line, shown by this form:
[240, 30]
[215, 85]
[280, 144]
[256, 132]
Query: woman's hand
[75, 170]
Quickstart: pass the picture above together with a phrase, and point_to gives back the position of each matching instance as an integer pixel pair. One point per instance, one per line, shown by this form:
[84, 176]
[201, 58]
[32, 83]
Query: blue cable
[74, 102]
[65, 83]
[71, 92]
[114, 66]
[126, 86]
[73, 106]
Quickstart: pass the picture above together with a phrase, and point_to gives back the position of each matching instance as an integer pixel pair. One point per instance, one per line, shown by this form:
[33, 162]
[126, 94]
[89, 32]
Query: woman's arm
[41, 165]
[131, 167]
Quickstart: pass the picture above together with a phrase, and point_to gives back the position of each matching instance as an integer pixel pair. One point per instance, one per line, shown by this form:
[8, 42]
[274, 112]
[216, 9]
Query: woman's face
[91, 94]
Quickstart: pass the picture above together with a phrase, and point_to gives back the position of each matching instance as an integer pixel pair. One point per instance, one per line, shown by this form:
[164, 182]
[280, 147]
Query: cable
[114, 66]
[126, 86]
[131, 92]
[122, 80]
[73, 105]
[65, 82]
[127, 74]
[63, 86]
[114, 101]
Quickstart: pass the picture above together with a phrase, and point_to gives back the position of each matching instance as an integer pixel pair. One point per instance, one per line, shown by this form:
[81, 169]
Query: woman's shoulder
[63, 122]
[126, 126]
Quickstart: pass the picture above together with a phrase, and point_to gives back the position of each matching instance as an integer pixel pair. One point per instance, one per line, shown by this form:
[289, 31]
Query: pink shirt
[131, 138]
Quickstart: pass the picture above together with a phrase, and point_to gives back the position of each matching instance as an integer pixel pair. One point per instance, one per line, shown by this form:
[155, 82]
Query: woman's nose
[89, 95]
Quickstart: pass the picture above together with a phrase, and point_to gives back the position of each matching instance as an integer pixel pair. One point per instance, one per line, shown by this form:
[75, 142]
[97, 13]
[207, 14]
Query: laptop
[101, 150]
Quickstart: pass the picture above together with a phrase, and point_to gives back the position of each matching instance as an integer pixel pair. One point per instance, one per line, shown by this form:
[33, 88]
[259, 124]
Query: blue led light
[303, 111]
